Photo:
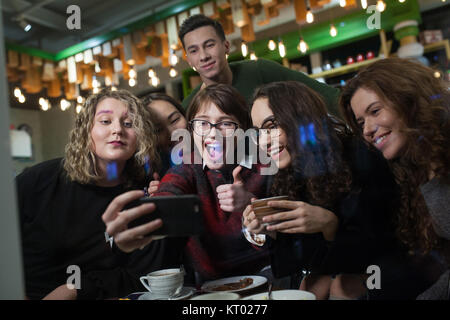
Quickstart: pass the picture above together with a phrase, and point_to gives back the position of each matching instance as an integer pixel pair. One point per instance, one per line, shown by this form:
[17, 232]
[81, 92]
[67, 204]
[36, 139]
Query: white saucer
[185, 293]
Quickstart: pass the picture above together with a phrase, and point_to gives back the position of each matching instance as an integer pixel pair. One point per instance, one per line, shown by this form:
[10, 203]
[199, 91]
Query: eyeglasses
[270, 128]
[203, 127]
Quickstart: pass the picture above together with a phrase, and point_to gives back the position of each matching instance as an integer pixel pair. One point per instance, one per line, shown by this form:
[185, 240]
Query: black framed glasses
[270, 127]
[203, 127]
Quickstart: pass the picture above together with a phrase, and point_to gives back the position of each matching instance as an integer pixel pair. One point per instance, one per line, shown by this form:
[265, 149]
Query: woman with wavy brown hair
[111, 150]
[336, 222]
[401, 109]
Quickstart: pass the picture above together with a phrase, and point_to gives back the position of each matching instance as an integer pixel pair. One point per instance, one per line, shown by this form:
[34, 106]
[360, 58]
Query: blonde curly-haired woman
[111, 149]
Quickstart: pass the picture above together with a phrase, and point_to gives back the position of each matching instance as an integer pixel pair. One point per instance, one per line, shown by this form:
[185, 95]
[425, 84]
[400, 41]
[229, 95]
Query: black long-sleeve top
[365, 235]
[61, 226]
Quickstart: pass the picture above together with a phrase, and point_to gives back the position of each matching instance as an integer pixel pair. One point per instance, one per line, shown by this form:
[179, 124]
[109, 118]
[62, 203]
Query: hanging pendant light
[132, 82]
[173, 72]
[17, 92]
[272, 45]
[302, 46]
[154, 81]
[281, 48]
[244, 49]
[132, 73]
[333, 31]
[173, 59]
[381, 5]
[309, 16]
[364, 4]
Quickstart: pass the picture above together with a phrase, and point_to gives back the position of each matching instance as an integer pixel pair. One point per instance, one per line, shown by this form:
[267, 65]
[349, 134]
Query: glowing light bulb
[95, 83]
[41, 101]
[78, 108]
[342, 3]
[45, 107]
[272, 45]
[309, 16]
[281, 49]
[401, 1]
[17, 92]
[64, 104]
[132, 82]
[96, 90]
[172, 72]
[151, 73]
[22, 99]
[97, 67]
[364, 4]
[113, 88]
[80, 99]
[302, 46]
[132, 73]
[253, 56]
[244, 49]
[154, 81]
[381, 5]
[173, 59]
[333, 31]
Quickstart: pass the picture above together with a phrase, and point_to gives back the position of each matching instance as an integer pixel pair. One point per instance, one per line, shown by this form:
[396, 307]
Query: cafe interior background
[57, 52]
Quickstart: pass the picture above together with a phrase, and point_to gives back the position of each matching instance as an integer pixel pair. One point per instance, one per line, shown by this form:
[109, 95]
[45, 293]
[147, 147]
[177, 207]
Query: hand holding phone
[181, 215]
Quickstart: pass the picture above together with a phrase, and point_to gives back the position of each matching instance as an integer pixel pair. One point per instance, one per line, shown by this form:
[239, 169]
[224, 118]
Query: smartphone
[181, 215]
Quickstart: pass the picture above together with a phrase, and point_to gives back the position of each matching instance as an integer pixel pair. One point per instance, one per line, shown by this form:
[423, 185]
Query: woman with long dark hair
[337, 221]
[401, 109]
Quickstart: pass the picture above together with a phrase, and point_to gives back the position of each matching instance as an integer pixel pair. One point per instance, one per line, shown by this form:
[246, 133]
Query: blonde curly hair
[80, 161]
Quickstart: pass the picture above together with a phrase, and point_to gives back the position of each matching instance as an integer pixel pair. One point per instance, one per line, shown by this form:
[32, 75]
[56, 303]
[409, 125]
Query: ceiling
[99, 17]
[48, 19]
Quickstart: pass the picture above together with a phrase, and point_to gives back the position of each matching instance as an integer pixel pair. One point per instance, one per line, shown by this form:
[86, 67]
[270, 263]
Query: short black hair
[199, 20]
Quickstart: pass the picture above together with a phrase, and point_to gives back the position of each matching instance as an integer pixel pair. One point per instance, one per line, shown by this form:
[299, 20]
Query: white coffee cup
[164, 283]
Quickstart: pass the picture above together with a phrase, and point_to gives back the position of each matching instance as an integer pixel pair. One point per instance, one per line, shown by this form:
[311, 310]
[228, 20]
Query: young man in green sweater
[206, 48]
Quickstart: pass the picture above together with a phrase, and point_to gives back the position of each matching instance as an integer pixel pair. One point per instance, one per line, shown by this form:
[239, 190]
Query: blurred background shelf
[444, 44]
[343, 70]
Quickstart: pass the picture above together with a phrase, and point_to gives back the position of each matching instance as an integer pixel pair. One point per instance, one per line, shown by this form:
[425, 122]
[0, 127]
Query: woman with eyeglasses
[336, 222]
[225, 182]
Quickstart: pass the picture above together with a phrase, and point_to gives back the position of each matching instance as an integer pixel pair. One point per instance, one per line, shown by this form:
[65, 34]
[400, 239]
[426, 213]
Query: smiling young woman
[336, 221]
[61, 202]
[400, 108]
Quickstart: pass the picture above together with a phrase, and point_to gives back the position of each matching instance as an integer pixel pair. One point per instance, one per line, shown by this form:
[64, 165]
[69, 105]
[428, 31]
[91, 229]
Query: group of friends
[365, 170]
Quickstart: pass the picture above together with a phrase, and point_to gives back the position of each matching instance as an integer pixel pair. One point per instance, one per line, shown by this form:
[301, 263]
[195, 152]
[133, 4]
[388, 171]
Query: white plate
[219, 295]
[283, 295]
[185, 293]
[210, 285]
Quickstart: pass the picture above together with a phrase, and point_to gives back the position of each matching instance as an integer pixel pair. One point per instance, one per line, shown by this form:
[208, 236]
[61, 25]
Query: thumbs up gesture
[233, 197]
[154, 184]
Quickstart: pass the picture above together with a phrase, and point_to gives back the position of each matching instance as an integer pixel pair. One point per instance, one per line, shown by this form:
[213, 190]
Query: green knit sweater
[249, 75]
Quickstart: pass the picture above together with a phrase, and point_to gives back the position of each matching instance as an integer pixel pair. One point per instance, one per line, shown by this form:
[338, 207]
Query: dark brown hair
[317, 167]
[155, 96]
[197, 21]
[422, 102]
[226, 98]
